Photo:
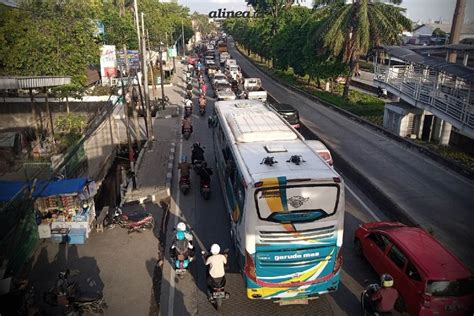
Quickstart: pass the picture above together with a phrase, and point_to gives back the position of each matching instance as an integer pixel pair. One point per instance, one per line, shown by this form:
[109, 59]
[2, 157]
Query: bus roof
[256, 132]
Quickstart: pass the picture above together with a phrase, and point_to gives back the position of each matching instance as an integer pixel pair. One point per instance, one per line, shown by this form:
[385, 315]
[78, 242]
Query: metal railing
[415, 85]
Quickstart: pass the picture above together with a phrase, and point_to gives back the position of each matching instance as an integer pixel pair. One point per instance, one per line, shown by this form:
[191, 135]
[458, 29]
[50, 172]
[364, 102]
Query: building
[423, 34]
[436, 98]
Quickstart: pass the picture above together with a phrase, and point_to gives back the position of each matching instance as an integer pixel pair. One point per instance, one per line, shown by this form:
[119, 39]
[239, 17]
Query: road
[210, 222]
[438, 199]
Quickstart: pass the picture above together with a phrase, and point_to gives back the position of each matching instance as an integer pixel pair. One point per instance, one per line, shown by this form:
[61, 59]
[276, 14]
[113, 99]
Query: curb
[458, 168]
[388, 206]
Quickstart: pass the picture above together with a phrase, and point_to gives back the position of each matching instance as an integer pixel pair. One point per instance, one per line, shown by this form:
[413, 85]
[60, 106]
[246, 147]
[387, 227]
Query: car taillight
[250, 267]
[338, 263]
[326, 156]
[426, 300]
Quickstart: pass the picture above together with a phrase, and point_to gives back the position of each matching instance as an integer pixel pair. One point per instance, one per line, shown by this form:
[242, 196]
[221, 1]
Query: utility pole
[162, 78]
[145, 81]
[182, 36]
[174, 60]
[137, 24]
[458, 20]
[125, 102]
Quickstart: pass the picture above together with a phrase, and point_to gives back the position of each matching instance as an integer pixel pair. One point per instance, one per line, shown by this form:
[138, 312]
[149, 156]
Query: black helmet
[386, 280]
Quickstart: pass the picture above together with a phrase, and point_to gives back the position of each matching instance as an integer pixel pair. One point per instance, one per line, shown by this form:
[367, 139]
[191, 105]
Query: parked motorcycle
[184, 184]
[134, 222]
[217, 291]
[67, 294]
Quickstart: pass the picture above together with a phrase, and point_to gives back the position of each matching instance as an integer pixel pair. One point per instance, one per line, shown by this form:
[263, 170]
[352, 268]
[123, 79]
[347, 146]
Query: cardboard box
[44, 231]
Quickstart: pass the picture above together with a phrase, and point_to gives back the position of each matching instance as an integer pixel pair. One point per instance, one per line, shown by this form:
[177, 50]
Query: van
[289, 113]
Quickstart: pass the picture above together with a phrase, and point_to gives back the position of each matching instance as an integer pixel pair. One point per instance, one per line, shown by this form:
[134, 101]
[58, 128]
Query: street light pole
[125, 102]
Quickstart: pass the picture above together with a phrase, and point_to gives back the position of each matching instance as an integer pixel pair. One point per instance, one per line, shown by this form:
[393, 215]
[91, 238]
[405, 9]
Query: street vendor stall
[66, 209]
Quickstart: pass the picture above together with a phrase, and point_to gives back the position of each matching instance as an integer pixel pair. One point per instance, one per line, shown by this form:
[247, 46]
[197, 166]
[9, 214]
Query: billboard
[133, 58]
[108, 61]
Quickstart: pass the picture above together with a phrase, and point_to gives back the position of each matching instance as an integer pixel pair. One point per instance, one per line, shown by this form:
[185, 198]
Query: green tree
[119, 25]
[50, 38]
[439, 33]
[351, 29]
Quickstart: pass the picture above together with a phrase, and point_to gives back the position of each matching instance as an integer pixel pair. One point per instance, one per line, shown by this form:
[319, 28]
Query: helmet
[215, 249]
[184, 158]
[181, 226]
[386, 280]
[180, 235]
[197, 144]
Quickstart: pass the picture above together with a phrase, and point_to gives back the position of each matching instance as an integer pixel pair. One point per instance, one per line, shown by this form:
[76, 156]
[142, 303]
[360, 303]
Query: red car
[429, 278]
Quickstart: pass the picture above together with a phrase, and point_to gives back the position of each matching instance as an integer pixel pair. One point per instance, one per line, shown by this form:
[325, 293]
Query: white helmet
[215, 249]
[181, 227]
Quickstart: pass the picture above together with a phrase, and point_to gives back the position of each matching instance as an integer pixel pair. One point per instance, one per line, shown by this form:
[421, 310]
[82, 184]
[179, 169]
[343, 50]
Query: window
[412, 272]
[381, 241]
[397, 257]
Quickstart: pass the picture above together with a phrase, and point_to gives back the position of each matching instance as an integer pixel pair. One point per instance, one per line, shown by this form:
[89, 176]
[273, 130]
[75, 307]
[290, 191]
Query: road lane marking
[363, 204]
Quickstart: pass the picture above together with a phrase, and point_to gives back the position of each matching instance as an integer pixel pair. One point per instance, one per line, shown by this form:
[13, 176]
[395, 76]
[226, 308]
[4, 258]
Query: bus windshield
[292, 204]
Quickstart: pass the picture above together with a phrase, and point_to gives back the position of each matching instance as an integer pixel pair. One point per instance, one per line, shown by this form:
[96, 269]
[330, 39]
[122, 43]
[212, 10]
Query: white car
[223, 91]
[322, 151]
[219, 77]
[210, 62]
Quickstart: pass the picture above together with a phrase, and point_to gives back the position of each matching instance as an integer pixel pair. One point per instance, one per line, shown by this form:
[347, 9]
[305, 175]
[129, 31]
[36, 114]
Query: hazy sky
[417, 9]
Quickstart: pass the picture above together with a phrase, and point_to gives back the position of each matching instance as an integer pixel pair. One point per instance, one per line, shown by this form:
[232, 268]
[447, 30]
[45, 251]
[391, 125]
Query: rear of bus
[293, 238]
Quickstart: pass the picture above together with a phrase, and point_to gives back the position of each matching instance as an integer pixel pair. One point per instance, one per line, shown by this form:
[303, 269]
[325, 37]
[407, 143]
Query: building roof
[32, 82]
[409, 54]
[446, 27]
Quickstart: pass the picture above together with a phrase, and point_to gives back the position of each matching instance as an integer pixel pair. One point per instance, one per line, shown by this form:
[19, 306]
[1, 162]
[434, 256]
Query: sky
[417, 9]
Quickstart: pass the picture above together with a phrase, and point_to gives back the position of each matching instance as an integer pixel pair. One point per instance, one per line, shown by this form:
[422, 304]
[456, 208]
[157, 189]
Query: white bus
[286, 204]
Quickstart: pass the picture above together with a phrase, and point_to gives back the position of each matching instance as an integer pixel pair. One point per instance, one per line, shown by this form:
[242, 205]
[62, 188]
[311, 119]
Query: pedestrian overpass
[422, 77]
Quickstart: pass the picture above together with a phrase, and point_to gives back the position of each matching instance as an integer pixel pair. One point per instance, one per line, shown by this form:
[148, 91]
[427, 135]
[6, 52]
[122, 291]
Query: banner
[108, 61]
[172, 52]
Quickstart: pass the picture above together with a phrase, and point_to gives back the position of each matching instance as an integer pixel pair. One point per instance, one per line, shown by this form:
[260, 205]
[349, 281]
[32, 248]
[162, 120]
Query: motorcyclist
[182, 227]
[205, 173]
[197, 152]
[182, 245]
[186, 124]
[184, 166]
[189, 89]
[216, 271]
[188, 105]
[383, 300]
[202, 101]
[204, 88]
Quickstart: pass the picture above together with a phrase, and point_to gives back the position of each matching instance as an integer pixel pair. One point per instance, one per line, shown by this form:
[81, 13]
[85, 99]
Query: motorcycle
[189, 94]
[197, 165]
[217, 291]
[134, 222]
[206, 189]
[202, 110]
[186, 133]
[65, 293]
[181, 258]
[188, 111]
[365, 299]
[184, 184]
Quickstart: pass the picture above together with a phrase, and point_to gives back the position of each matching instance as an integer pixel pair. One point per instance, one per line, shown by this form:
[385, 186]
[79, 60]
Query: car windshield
[450, 288]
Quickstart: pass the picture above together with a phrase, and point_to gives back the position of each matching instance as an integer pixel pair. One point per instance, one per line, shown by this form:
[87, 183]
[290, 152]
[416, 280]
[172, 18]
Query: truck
[253, 89]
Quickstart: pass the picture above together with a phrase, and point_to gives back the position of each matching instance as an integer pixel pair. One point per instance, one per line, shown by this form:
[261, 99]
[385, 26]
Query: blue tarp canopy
[8, 189]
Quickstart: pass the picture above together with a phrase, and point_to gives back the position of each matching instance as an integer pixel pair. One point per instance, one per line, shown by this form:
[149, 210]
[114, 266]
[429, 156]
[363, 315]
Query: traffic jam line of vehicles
[286, 205]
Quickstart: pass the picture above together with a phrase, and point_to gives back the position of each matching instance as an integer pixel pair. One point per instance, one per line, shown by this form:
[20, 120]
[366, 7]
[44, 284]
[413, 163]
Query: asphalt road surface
[211, 223]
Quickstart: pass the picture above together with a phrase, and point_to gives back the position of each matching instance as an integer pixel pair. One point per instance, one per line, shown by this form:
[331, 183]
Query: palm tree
[351, 29]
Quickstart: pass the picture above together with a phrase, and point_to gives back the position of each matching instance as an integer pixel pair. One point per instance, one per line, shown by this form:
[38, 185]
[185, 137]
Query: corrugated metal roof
[32, 82]
[439, 64]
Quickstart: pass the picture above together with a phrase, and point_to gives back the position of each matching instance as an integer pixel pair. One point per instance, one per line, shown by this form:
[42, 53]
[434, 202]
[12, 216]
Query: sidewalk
[155, 162]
